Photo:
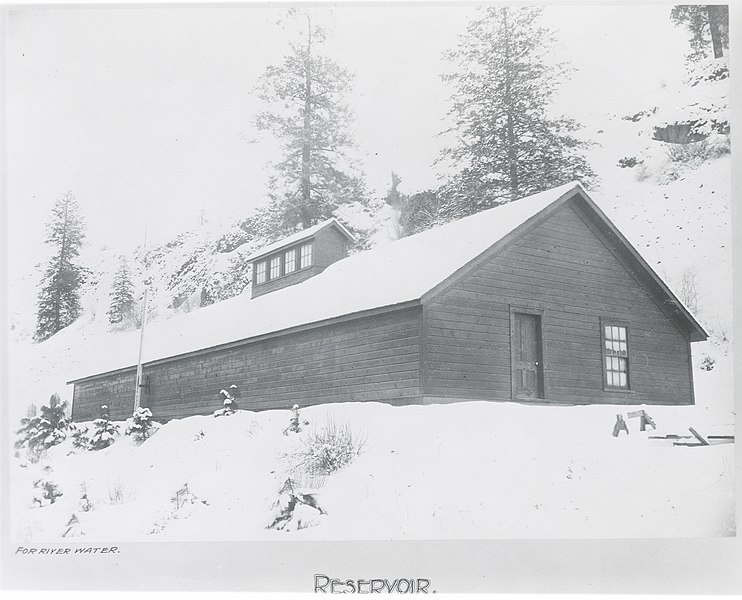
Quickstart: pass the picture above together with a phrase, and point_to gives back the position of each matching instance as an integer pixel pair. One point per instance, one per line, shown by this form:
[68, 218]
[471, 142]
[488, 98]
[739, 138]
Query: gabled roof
[409, 270]
[301, 236]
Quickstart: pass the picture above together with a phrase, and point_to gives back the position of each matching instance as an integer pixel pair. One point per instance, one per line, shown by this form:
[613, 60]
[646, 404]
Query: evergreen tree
[59, 298]
[312, 121]
[508, 145]
[141, 426]
[40, 432]
[419, 212]
[104, 432]
[123, 304]
[708, 26]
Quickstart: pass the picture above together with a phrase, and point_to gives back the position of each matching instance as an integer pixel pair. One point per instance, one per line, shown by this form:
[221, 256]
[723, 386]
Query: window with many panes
[615, 355]
[305, 256]
[275, 267]
[289, 264]
[260, 272]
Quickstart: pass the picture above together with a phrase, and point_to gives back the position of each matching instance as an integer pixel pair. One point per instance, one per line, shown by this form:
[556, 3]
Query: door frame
[538, 312]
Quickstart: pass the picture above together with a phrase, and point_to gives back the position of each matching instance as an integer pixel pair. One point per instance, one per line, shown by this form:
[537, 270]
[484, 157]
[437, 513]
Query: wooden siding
[285, 280]
[564, 269]
[372, 358]
[329, 247]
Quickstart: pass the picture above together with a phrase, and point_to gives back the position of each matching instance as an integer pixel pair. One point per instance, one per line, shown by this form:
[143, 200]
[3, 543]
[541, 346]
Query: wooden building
[540, 300]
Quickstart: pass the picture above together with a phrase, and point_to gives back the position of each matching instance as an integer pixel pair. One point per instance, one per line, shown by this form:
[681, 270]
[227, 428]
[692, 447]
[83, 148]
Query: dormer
[299, 256]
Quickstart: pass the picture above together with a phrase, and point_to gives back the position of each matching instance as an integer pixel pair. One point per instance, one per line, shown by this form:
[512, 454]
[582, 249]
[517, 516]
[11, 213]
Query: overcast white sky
[146, 114]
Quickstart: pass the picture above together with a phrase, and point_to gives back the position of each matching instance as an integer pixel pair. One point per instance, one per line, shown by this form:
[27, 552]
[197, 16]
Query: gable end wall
[563, 269]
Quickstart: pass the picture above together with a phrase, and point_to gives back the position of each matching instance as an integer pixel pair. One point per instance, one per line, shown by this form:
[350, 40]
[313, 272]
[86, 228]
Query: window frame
[279, 266]
[258, 264]
[310, 254]
[285, 262]
[604, 354]
[281, 256]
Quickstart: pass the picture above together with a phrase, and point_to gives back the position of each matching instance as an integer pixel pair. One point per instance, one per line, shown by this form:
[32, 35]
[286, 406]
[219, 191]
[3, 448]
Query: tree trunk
[60, 273]
[306, 146]
[512, 155]
[716, 18]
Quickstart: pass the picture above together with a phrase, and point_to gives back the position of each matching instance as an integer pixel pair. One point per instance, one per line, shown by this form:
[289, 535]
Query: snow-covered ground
[469, 470]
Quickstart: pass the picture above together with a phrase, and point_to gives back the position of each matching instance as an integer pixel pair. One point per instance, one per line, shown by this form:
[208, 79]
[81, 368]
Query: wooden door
[528, 368]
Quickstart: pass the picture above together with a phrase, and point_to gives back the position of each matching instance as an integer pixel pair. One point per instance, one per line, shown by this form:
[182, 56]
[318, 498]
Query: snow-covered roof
[299, 236]
[392, 274]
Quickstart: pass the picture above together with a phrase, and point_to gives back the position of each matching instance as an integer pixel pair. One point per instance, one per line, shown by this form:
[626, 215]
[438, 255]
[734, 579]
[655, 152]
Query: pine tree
[123, 304]
[310, 118]
[141, 426]
[420, 211]
[708, 26]
[59, 298]
[508, 145]
[104, 432]
[39, 432]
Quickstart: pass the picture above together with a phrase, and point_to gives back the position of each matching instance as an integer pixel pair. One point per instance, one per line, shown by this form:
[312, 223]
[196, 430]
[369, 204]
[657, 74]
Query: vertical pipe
[138, 389]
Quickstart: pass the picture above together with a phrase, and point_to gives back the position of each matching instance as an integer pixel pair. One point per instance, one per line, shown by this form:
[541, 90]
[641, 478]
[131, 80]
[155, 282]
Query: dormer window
[275, 267]
[298, 257]
[260, 272]
[306, 256]
[290, 261]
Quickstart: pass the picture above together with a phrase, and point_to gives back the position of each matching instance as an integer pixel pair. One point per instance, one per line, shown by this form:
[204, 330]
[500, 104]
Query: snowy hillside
[472, 470]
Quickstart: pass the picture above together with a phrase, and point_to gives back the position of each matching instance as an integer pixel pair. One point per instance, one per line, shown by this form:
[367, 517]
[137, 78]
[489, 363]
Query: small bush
[707, 363]
[80, 439]
[627, 162]
[141, 426]
[49, 492]
[695, 153]
[329, 450]
[40, 432]
[229, 402]
[295, 423]
[105, 432]
[688, 289]
[118, 494]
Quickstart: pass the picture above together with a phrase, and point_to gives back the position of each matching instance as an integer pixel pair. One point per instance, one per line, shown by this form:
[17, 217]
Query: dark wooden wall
[565, 270]
[371, 358]
[285, 281]
[329, 247]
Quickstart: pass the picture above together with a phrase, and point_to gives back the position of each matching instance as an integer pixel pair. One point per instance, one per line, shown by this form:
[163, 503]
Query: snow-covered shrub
[627, 162]
[229, 402]
[49, 492]
[85, 504]
[104, 432]
[40, 432]
[295, 423]
[693, 153]
[141, 426]
[329, 450]
[707, 363]
[80, 439]
[295, 508]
